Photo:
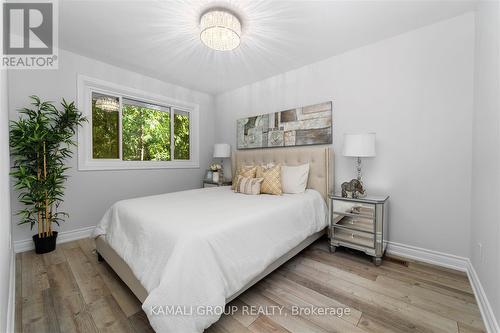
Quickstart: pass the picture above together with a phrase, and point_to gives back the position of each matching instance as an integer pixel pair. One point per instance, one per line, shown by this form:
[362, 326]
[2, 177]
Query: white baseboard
[487, 313]
[428, 256]
[62, 237]
[11, 305]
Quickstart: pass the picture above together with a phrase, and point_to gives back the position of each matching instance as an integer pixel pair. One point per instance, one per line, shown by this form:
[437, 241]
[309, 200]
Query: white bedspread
[196, 248]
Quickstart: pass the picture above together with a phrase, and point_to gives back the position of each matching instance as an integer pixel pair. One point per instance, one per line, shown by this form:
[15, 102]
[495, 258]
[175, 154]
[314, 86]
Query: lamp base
[353, 189]
[221, 171]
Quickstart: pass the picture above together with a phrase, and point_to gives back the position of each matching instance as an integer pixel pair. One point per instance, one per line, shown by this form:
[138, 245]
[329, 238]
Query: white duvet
[192, 250]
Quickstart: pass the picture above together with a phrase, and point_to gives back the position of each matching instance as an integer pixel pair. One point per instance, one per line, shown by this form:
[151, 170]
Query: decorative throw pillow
[245, 171]
[263, 167]
[247, 185]
[294, 178]
[272, 179]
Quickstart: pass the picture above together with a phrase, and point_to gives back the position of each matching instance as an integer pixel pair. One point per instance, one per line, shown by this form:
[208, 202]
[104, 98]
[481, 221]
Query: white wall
[90, 193]
[415, 91]
[485, 228]
[5, 235]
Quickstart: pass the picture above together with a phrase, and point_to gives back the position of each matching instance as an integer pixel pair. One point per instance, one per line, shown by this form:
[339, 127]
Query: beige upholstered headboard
[320, 161]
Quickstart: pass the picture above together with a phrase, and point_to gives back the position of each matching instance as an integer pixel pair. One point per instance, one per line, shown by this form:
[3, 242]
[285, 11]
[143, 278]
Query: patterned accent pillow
[261, 168]
[272, 179]
[247, 185]
[245, 171]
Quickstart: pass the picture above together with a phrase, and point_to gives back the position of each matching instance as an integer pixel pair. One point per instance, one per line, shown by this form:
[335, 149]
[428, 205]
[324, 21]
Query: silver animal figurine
[352, 189]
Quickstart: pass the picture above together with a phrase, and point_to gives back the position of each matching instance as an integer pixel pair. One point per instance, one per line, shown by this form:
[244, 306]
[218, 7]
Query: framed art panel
[308, 125]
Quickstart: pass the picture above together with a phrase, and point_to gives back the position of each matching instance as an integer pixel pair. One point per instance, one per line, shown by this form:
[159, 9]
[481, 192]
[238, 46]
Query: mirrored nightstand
[210, 183]
[359, 224]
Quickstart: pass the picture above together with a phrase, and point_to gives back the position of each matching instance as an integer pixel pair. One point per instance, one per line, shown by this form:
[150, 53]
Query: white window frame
[87, 85]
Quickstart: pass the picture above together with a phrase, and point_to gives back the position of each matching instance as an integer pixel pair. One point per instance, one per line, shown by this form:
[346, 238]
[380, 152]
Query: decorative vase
[215, 177]
[45, 244]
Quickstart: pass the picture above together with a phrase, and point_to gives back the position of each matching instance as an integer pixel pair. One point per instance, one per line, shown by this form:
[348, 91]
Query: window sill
[135, 165]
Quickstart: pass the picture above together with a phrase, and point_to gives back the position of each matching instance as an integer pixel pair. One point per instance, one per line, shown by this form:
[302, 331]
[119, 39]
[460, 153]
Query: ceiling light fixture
[108, 104]
[220, 30]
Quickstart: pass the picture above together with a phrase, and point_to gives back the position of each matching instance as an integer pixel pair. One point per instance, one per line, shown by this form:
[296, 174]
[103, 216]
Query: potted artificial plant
[40, 143]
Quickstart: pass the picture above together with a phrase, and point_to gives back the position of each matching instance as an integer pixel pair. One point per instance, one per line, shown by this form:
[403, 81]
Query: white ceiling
[161, 38]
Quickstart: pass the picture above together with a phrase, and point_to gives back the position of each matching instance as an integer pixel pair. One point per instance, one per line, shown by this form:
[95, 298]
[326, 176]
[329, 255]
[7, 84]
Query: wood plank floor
[68, 290]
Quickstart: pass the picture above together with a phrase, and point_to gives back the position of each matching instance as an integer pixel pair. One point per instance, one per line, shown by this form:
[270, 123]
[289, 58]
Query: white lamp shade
[359, 145]
[222, 150]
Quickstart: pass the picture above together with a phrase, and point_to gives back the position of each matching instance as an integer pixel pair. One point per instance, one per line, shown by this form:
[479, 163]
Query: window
[146, 132]
[129, 129]
[105, 129]
[181, 135]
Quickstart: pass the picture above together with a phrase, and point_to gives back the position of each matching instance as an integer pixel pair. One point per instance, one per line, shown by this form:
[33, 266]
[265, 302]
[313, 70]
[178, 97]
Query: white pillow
[294, 178]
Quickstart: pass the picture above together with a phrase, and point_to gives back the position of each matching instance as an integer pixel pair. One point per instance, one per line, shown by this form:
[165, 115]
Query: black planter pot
[45, 244]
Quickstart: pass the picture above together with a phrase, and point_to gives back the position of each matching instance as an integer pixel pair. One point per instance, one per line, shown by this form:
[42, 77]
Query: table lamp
[358, 145]
[222, 151]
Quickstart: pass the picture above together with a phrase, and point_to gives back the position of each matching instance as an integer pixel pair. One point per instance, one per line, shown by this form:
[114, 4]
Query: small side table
[359, 224]
[211, 183]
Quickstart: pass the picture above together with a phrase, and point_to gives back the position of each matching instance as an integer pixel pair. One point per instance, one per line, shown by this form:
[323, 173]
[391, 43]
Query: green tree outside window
[146, 132]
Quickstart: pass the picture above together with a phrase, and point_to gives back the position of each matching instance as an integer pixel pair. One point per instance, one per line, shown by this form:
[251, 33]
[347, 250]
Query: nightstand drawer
[355, 223]
[353, 237]
[354, 209]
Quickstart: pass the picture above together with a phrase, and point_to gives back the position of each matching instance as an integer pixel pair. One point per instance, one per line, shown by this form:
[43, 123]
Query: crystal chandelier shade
[109, 104]
[220, 30]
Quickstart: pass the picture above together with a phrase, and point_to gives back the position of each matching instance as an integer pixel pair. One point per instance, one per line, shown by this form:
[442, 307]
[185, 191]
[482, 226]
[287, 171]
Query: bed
[205, 247]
